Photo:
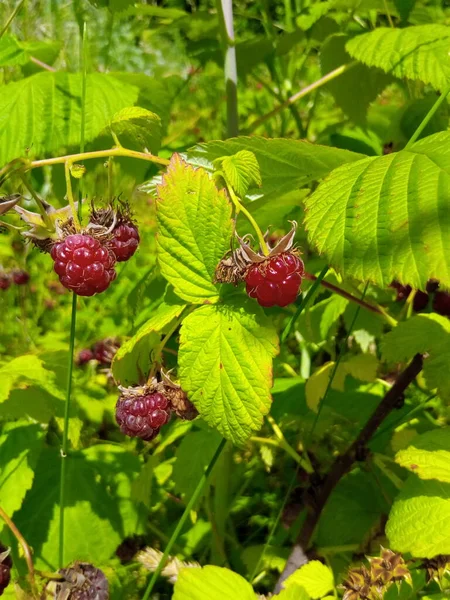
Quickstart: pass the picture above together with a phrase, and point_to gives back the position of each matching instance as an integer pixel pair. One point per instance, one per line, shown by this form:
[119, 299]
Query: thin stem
[41, 64]
[11, 18]
[40, 205]
[65, 441]
[428, 117]
[303, 92]
[388, 14]
[303, 461]
[25, 547]
[304, 303]
[99, 154]
[336, 365]
[375, 308]
[198, 490]
[225, 11]
[76, 221]
[241, 208]
[83, 57]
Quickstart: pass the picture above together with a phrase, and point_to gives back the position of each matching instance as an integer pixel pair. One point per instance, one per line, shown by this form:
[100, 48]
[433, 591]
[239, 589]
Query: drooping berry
[83, 264]
[82, 581]
[276, 281]
[84, 356]
[20, 277]
[441, 303]
[125, 241]
[5, 281]
[5, 568]
[142, 415]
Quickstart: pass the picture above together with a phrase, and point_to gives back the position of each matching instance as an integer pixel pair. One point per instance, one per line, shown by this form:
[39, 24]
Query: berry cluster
[18, 277]
[5, 568]
[103, 352]
[142, 415]
[276, 281]
[440, 301]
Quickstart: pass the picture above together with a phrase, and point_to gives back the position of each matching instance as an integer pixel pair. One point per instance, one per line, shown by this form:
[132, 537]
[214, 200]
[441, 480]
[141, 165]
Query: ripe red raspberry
[83, 264]
[125, 241]
[5, 568]
[84, 356]
[142, 415]
[5, 281]
[441, 303]
[275, 282]
[20, 277]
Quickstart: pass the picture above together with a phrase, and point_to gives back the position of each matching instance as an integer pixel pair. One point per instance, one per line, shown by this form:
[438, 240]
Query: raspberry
[276, 281]
[142, 415]
[125, 241]
[5, 281]
[85, 356]
[441, 303]
[20, 277]
[83, 264]
[5, 568]
[105, 350]
[420, 301]
[82, 582]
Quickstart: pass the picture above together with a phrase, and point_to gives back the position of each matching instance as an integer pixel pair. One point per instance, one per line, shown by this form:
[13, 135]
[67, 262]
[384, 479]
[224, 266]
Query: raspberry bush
[225, 284]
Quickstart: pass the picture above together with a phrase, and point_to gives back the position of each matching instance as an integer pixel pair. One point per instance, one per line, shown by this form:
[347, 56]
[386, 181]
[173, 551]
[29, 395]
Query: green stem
[11, 18]
[336, 365]
[76, 221]
[225, 12]
[98, 154]
[65, 441]
[241, 208]
[304, 303]
[303, 92]
[303, 461]
[222, 497]
[83, 57]
[198, 490]
[40, 206]
[428, 117]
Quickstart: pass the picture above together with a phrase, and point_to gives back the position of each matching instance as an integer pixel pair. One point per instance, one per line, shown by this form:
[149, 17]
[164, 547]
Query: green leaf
[387, 217]
[315, 577]
[293, 592]
[322, 319]
[26, 369]
[13, 52]
[194, 231]
[225, 365]
[359, 82]
[285, 165]
[42, 113]
[419, 52]
[137, 128]
[211, 582]
[98, 512]
[429, 455]
[423, 334]
[20, 446]
[417, 521]
[241, 171]
[132, 361]
[192, 457]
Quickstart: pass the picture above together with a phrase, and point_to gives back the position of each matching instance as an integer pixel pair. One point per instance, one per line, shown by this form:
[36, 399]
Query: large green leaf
[225, 365]
[211, 582]
[194, 231]
[418, 520]
[420, 52]
[387, 217]
[423, 334]
[285, 165]
[23, 370]
[359, 82]
[132, 361]
[42, 113]
[429, 455]
[98, 512]
[20, 446]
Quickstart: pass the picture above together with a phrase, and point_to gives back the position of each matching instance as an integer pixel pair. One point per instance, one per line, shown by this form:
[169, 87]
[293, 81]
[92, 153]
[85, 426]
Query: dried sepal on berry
[436, 567]
[81, 581]
[359, 586]
[389, 567]
[116, 222]
[180, 403]
[150, 559]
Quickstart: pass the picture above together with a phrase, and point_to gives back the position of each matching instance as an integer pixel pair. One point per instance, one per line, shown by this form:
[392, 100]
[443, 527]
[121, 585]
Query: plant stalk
[99, 154]
[65, 441]
[301, 94]
[225, 10]
[428, 117]
[11, 18]
[70, 198]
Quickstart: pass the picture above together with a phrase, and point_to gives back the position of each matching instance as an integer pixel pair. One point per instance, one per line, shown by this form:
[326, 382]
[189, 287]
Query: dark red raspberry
[83, 264]
[5, 281]
[125, 241]
[275, 282]
[142, 415]
[441, 303]
[420, 301]
[403, 291]
[5, 568]
[82, 581]
[105, 350]
[20, 277]
[85, 356]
